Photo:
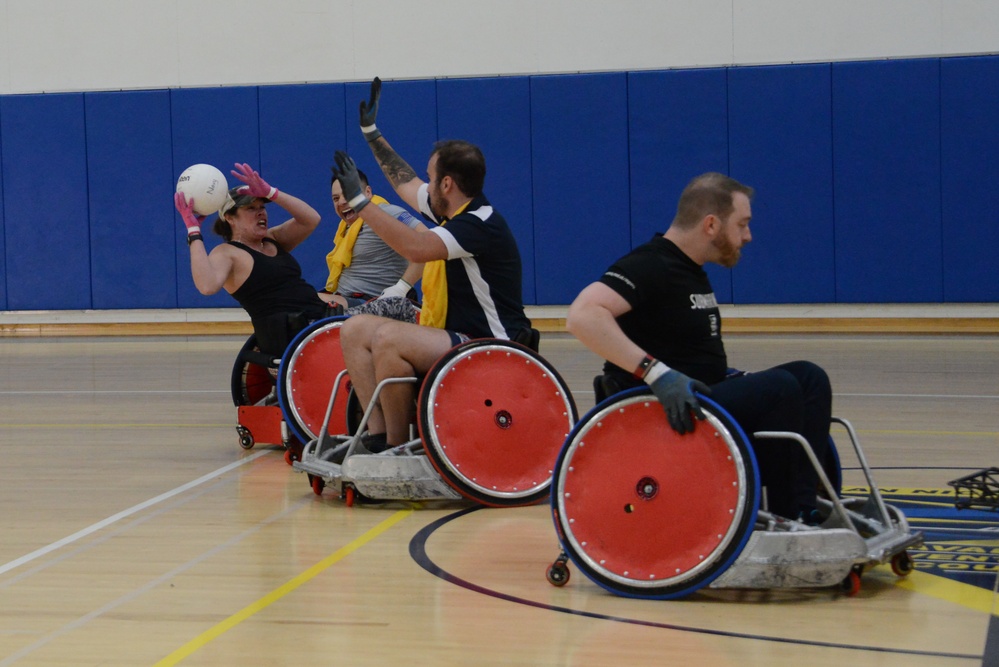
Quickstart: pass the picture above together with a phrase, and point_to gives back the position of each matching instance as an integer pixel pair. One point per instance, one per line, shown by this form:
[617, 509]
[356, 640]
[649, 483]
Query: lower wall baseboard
[969, 319]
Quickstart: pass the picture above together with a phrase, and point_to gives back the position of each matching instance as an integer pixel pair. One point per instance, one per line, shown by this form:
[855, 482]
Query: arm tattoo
[395, 168]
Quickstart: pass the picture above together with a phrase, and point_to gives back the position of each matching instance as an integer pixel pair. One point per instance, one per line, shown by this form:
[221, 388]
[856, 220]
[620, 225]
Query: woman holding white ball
[254, 265]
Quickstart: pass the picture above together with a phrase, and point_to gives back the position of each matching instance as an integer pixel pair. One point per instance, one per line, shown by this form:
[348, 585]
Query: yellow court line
[275, 595]
[948, 590]
[926, 503]
[895, 491]
[933, 520]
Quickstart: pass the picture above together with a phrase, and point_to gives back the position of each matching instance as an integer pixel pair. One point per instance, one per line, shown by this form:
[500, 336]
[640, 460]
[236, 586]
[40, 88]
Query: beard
[729, 254]
[438, 207]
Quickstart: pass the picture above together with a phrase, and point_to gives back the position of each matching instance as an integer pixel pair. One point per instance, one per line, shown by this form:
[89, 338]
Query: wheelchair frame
[733, 544]
[502, 458]
[284, 416]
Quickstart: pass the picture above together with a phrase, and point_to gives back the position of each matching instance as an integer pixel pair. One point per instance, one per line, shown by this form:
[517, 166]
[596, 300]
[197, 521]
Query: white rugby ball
[205, 185]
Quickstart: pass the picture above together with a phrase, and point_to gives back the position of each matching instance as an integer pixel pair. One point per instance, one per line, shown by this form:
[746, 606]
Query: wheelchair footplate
[397, 474]
[854, 534]
[788, 554]
[342, 463]
[353, 473]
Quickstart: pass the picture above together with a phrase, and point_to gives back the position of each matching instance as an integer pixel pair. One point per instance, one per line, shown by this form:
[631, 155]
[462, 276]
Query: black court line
[991, 657]
[418, 552]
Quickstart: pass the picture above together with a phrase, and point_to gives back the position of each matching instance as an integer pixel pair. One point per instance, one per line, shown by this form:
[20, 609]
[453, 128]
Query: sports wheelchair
[490, 417]
[276, 396]
[645, 512]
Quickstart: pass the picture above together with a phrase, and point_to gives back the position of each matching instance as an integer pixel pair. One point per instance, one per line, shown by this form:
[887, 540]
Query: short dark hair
[361, 174]
[464, 163]
[708, 194]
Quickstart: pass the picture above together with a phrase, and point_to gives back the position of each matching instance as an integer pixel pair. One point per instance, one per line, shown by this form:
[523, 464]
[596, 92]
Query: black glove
[369, 111]
[345, 171]
[676, 393]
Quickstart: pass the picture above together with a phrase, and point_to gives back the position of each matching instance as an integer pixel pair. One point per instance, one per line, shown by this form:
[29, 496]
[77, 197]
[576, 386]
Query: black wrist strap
[196, 236]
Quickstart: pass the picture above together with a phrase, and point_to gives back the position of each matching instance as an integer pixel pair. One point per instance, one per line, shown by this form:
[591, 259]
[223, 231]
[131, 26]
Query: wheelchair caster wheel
[558, 573]
[349, 495]
[901, 564]
[292, 452]
[317, 484]
[245, 437]
[851, 584]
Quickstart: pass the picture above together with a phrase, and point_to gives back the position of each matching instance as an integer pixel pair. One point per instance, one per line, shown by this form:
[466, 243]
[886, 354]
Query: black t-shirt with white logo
[674, 315]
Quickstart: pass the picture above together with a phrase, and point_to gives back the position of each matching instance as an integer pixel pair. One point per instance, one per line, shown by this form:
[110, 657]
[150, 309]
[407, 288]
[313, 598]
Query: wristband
[370, 132]
[643, 367]
[401, 288]
[655, 371]
[358, 202]
[196, 236]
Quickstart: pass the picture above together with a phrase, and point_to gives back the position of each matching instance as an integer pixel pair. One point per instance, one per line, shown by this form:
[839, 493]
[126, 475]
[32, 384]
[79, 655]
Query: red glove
[186, 210]
[255, 186]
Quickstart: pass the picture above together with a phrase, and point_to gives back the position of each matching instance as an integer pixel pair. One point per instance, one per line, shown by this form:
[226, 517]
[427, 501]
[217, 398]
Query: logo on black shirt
[703, 301]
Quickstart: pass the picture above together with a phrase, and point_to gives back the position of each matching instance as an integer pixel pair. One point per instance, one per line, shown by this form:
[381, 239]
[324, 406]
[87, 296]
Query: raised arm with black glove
[369, 111]
[345, 171]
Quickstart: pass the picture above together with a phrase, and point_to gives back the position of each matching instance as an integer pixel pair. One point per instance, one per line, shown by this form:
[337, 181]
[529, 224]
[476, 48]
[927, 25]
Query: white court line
[38, 553]
[984, 396]
[149, 586]
[988, 397]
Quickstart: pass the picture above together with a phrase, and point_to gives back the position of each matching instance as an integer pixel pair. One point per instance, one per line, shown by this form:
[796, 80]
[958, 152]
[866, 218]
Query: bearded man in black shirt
[654, 318]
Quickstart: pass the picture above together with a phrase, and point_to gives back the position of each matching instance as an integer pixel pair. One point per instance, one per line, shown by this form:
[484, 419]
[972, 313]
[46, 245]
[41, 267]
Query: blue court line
[418, 552]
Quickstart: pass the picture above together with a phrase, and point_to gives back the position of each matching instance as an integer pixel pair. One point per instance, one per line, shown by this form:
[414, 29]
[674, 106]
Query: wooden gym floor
[135, 531]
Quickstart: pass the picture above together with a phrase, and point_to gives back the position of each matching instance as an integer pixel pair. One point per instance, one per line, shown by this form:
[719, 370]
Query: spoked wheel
[250, 382]
[306, 377]
[645, 512]
[492, 416]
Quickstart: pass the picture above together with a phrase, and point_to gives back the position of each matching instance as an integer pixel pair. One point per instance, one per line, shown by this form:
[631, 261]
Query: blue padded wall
[780, 132]
[873, 178]
[886, 148]
[46, 221]
[969, 118]
[3, 245]
[300, 127]
[579, 134]
[218, 126]
[502, 129]
[133, 227]
[678, 129]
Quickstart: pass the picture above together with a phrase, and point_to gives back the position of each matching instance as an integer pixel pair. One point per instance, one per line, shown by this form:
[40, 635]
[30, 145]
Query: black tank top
[275, 285]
